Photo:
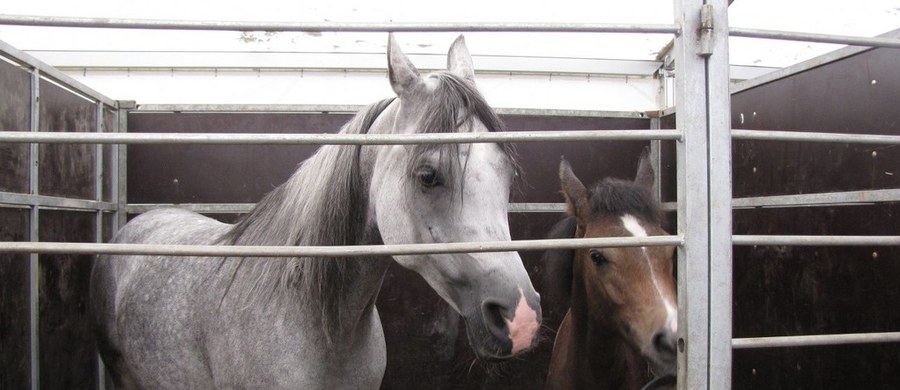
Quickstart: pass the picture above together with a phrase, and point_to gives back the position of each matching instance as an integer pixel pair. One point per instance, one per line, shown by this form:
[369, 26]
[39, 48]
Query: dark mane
[617, 197]
[320, 204]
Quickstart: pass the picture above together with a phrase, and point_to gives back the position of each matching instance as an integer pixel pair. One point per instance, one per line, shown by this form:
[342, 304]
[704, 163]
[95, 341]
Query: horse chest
[291, 351]
[585, 358]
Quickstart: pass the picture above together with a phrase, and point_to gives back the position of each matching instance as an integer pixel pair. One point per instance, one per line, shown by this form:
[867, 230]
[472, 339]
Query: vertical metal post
[99, 180]
[121, 151]
[704, 195]
[720, 188]
[33, 259]
[656, 159]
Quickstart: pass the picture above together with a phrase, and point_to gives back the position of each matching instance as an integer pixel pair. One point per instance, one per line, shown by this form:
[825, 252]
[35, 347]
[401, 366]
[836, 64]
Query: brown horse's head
[628, 292]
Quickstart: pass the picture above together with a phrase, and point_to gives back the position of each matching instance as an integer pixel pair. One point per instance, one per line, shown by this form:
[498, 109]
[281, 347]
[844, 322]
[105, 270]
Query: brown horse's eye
[598, 257]
[428, 177]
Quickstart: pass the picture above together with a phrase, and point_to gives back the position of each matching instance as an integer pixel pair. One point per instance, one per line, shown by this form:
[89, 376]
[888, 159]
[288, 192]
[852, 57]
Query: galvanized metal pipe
[151, 24]
[50, 72]
[333, 251]
[335, 139]
[815, 240]
[34, 263]
[803, 136]
[54, 202]
[239, 208]
[846, 198]
[815, 340]
[811, 37]
[354, 108]
[820, 199]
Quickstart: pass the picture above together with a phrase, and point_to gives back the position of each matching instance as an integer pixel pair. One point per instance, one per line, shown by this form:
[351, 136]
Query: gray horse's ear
[575, 192]
[645, 178]
[403, 75]
[459, 62]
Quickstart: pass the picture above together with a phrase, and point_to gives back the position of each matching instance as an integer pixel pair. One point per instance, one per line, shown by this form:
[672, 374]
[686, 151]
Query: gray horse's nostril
[493, 318]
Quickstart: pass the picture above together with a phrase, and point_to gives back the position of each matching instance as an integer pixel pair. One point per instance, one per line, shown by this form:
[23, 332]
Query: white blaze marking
[634, 227]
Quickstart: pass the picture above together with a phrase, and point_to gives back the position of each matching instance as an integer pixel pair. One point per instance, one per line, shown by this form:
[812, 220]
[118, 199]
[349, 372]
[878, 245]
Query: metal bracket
[706, 30]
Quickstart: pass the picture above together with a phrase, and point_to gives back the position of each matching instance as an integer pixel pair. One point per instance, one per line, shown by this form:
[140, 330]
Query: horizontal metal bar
[801, 200]
[815, 240]
[352, 109]
[805, 136]
[333, 139]
[827, 58]
[53, 73]
[822, 199]
[204, 208]
[815, 340]
[357, 62]
[240, 208]
[54, 202]
[812, 37]
[151, 24]
[333, 251]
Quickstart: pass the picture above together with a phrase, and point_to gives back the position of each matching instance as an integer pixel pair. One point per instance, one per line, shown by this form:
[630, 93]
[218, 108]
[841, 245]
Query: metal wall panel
[15, 103]
[66, 170]
[784, 290]
[67, 353]
[14, 226]
[856, 95]
[216, 173]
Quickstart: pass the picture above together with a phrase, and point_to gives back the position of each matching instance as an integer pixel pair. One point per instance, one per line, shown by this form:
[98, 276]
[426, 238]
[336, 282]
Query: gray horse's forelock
[455, 104]
[320, 204]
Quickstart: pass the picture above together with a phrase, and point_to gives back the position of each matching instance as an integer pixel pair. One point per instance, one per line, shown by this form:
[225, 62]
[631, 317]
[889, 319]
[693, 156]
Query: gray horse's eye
[598, 257]
[428, 177]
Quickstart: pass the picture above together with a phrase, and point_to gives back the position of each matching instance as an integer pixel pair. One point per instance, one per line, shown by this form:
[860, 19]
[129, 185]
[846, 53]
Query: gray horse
[200, 322]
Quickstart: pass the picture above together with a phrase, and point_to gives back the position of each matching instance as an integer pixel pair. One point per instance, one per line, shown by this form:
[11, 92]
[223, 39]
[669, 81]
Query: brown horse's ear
[645, 177]
[575, 193]
[403, 75]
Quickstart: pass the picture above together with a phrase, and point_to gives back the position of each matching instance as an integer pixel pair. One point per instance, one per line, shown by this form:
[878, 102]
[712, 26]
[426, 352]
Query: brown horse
[620, 328]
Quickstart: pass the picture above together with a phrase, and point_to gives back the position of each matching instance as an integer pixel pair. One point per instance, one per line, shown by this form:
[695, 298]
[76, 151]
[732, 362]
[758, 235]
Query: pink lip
[523, 326]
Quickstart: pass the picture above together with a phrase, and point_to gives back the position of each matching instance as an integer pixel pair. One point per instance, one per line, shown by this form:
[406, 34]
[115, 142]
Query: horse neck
[324, 203]
[604, 359]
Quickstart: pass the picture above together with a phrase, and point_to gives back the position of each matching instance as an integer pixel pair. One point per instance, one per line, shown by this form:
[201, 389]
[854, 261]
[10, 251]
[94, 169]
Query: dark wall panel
[14, 319]
[15, 111]
[67, 352]
[854, 95]
[217, 173]
[789, 290]
[66, 170]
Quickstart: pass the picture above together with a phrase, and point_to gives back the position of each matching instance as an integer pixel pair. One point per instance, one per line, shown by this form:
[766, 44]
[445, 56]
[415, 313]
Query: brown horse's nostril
[664, 342]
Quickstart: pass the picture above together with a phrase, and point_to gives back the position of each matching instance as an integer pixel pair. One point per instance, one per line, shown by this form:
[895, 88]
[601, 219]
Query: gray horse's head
[452, 193]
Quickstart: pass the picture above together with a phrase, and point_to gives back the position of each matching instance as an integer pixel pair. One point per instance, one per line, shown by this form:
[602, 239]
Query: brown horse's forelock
[609, 197]
[618, 197]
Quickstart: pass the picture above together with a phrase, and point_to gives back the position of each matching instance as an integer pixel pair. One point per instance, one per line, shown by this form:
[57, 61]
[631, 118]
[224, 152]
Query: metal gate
[703, 142]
